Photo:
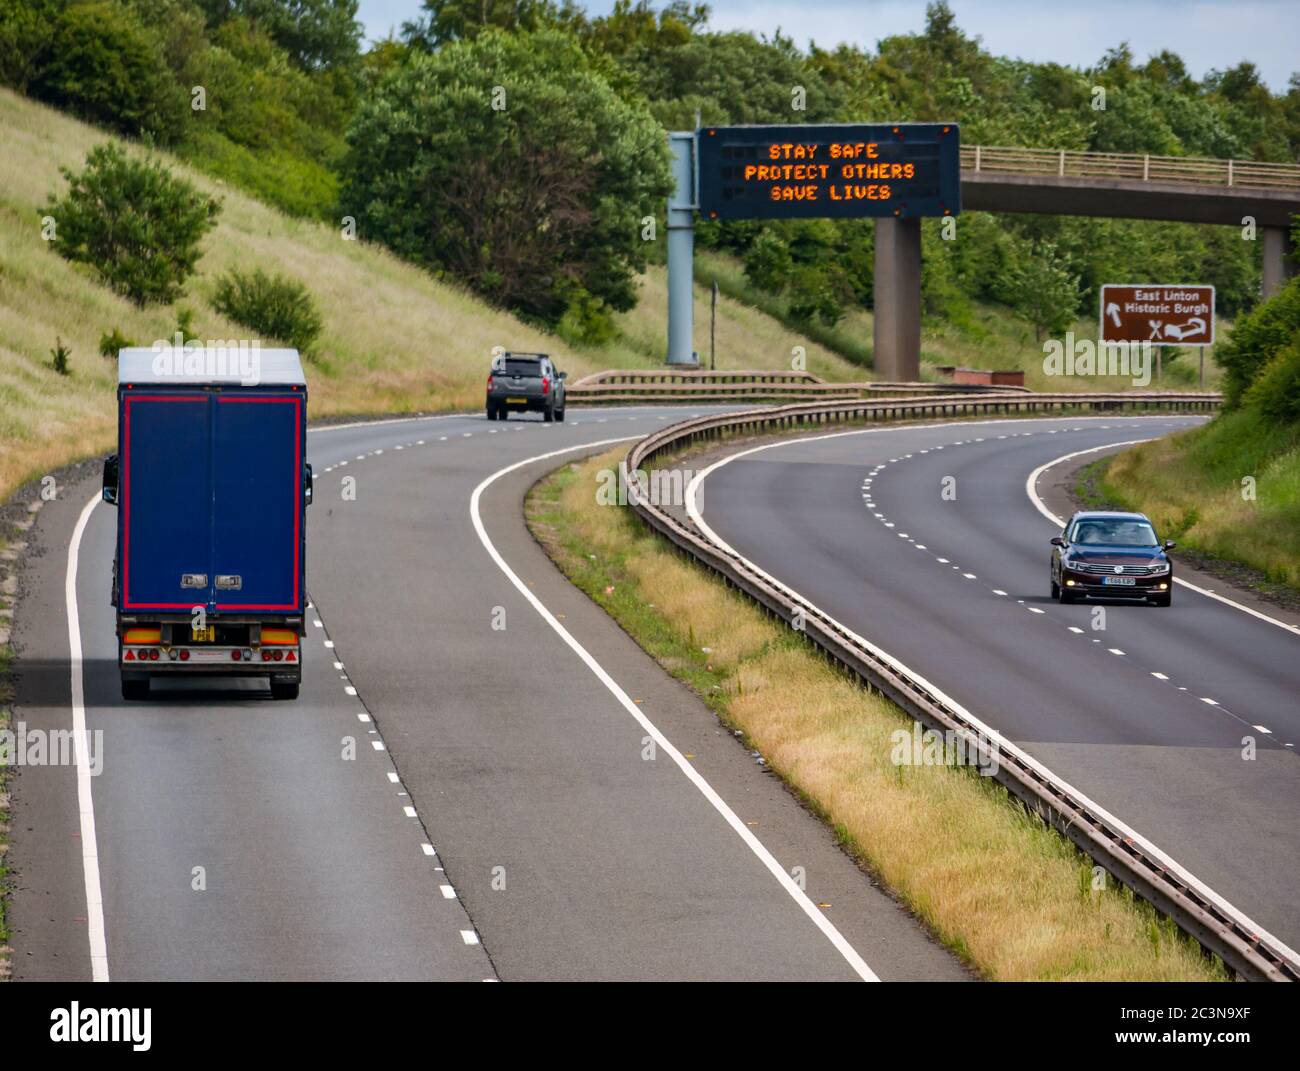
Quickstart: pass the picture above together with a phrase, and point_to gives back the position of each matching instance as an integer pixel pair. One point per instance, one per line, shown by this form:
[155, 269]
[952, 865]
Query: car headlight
[1159, 568]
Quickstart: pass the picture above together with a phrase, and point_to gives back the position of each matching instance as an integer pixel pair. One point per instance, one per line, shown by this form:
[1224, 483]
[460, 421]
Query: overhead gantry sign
[895, 173]
[838, 171]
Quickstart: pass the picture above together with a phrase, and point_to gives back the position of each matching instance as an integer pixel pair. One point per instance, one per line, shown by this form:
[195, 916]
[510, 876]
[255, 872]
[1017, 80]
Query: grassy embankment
[1191, 486]
[1009, 896]
[395, 338]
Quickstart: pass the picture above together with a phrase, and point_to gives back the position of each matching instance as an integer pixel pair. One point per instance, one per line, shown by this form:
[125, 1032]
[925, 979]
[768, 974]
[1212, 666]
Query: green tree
[531, 201]
[105, 65]
[135, 223]
[445, 21]
[1041, 289]
[316, 33]
[27, 29]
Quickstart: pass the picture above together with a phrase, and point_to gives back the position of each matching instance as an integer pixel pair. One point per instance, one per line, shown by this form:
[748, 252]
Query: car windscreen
[522, 367]
[1113, 532]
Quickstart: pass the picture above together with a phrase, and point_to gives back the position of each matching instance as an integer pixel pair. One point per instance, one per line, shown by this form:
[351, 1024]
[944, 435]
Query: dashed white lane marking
[350, 690]
[1207, 699]
[1031, 489]
[1158, 676]
[363, 717]
[427, 849]
[969, 576]
[1114, 650]
[469, 937]
[392, 776]
[410, 812]
[1263, 729]
[329, 644]
[81, 746]
[378, 745]
[777, 871]
[999, 591]
[448, 893]
[693, 510]
[1035, 610]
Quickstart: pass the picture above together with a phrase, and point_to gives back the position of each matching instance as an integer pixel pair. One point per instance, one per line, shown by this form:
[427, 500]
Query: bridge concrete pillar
[897, 330]
[1279, 260]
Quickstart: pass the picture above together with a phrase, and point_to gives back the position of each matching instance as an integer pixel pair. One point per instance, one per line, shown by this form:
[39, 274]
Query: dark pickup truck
[525, 382]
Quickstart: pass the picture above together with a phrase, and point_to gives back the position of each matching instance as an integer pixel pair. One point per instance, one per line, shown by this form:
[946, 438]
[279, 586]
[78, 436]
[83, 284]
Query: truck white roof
[245, 365]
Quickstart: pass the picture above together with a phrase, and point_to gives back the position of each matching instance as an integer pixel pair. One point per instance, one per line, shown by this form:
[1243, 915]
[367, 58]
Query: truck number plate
[203, 635]
[1122, 581]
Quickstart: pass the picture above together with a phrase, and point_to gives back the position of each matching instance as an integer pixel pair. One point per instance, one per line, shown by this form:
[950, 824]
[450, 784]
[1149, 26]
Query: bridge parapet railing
[1191, 170]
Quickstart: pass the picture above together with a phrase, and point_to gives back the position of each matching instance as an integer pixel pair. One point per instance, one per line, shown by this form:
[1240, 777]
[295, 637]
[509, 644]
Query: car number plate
[203, 635]
[516, 401]
[1121, 581]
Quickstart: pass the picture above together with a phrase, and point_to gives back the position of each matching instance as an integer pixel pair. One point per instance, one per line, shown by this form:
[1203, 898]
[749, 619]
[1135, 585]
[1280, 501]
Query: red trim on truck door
[297, 510]
[127, 604]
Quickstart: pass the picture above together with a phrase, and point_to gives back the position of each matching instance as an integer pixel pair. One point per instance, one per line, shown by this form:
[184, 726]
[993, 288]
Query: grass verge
[1228, 492]
[1009, 896]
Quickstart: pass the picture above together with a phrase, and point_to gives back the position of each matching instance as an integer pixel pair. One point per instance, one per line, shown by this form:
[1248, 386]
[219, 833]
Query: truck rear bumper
[282, 663]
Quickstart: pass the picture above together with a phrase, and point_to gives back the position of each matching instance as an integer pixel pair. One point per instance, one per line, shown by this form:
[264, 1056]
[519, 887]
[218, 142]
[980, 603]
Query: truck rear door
[257, 500]
[165, 536]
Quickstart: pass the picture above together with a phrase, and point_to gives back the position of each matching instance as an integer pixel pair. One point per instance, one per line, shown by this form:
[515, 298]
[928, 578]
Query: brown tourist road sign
[1159, 313]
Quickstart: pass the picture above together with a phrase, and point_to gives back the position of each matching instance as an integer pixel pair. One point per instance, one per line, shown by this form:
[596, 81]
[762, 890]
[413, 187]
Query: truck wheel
[284, 691]
[135, 691]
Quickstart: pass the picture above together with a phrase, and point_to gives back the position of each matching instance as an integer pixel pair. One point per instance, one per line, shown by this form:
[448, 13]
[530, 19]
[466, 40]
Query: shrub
[1276, 390]
[112, 341]
[59, 357]
[271, 305]
[106, 66]
[134, 222]
[1256, 338]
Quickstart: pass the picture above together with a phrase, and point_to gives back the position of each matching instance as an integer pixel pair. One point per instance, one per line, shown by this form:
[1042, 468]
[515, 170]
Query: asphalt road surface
[1146, 716]
[446, 800]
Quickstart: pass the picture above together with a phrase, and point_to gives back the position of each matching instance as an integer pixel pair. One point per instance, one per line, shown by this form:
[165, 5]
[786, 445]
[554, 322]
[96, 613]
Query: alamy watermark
[929, 747]
[1084, 357]
[233, 358]
[49, 747]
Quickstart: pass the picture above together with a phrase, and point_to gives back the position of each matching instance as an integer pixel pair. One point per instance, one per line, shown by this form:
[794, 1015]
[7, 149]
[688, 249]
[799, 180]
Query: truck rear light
[143, 635]
[234, 656]
[129, 656]
[279, 635]
[546, 385]
[185, 656]
[153, 655]
[266, 656]
[289, 657]
[279, 655]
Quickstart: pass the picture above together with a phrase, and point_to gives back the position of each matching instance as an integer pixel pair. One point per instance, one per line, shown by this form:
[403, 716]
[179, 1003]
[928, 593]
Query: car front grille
[1109, 570]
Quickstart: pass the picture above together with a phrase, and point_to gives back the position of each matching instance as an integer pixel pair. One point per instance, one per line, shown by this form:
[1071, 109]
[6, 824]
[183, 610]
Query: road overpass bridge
[1063, 183]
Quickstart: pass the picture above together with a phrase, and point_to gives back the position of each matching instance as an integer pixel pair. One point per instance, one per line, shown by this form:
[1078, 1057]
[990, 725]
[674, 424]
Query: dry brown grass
[1010, 896]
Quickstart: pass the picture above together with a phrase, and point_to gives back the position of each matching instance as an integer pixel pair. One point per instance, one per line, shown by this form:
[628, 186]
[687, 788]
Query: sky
[1206, 33]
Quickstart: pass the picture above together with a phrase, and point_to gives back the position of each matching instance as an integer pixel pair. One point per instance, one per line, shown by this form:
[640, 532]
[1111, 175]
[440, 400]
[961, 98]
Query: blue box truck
[211, 485]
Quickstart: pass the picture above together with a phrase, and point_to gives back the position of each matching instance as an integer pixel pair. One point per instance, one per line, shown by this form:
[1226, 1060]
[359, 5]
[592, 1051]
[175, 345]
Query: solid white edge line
[1032, 491]
[85, 800]
[1167, 861]
[810, 909]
